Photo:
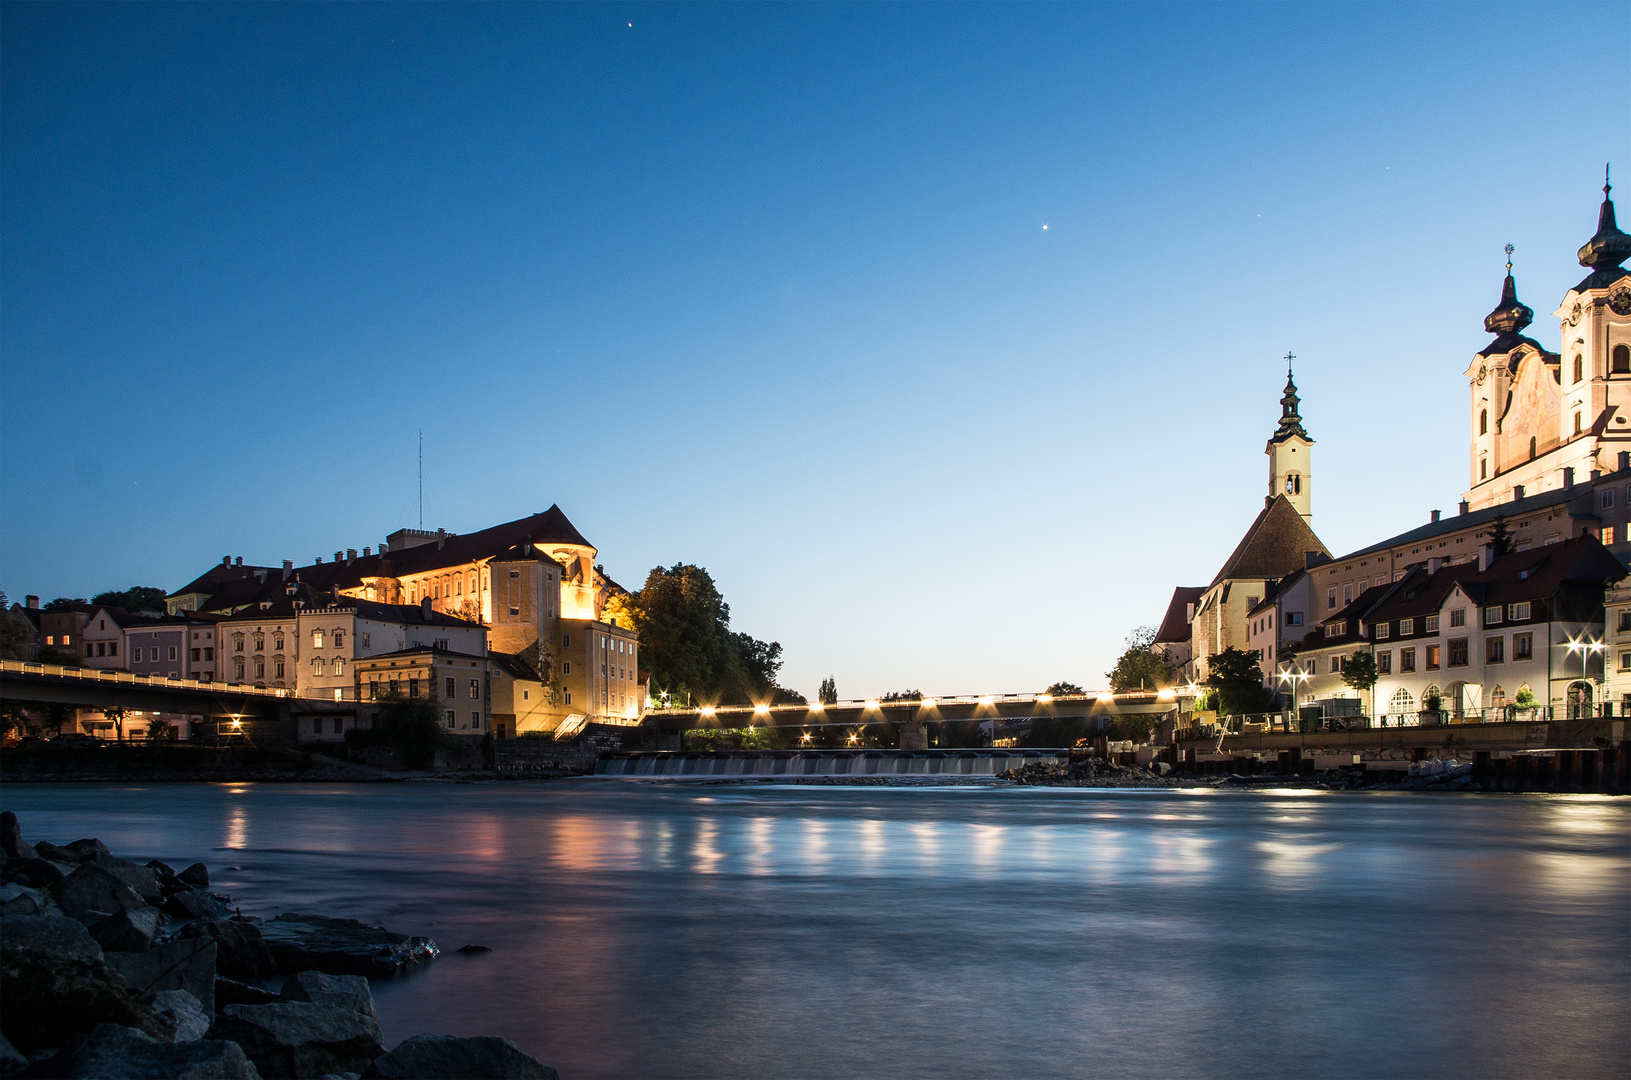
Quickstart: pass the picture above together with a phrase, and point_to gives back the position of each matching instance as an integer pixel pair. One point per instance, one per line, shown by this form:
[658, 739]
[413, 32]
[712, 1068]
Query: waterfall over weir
[948, 763]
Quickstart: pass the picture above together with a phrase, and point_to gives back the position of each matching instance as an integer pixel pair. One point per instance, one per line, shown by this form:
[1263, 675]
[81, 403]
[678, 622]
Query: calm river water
[679, 930]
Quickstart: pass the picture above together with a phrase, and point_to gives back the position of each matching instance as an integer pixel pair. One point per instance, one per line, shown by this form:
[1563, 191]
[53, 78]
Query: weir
[794, 763]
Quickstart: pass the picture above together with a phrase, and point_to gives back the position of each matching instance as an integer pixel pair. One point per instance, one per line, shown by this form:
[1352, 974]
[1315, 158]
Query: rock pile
[111, 969]
[1090, 772]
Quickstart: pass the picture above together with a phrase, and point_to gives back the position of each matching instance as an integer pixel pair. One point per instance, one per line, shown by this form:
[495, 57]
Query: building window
[195, 655]
[373, 689]
[1483, 421]
[1523, 646]
[1495, 650]
[277, 642]
[1336, 665]
[317, 639]
[317, 665]
[1625, 619]
[1294, 618]
[1430, 624]
[365, 639]
[238, 670]
[452, 687]
[1333, 629]
[1605, 499]
[566, 667]
[393, 687]
[136, 653]
[1407, 627]
[237, 643]
[1625, 661]
[452, 719]
[1347, 594]
[1432, 658]
[1294, 484]
[1577, 423]
[1483, 469]
[413, 687]
[172, 650]
[566, 641]
[1401, 701]
[339, 665]
[568, 696]
[475, 721]
[209, 653]
[475, 690]
[1608, 534]
[1383, 631]
[260, 668]
[1458, 652]
[1407, 660]
[1458, 617]
[1331, 599]
[1520, 611]
[277, 669]
[1384, 662]
[339, 639]
[1531, 448]
[1621, 363]
[1493, 614]
[260, 642]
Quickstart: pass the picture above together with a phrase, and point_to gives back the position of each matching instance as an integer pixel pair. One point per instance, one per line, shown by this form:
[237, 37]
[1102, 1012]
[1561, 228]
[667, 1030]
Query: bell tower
[1290, 457]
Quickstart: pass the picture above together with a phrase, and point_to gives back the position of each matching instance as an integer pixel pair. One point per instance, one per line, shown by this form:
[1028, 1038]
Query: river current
[689, 930]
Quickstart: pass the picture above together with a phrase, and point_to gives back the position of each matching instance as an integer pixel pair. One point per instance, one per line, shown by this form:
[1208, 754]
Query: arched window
[1294, 484]
[1622, 359]
[1577, 423]
[1483, 469]
[1579, 368]
[1497, 697]
[1401, 701]
[1483, 421]
[1531, 448]
[317, 665]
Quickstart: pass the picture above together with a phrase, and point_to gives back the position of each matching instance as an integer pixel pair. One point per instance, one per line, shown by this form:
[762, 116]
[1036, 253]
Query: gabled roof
[1276, 545]
[514, 666]
[1175, 624]
[212, 579]
[126, 619]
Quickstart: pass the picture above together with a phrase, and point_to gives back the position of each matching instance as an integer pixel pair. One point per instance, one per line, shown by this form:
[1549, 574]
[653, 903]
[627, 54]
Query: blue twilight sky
[946, 337]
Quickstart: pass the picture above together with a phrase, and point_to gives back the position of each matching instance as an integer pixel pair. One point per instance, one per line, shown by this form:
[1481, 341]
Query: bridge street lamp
[1294, 676]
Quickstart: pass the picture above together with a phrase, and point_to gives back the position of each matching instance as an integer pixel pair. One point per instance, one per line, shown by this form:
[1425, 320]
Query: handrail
[63, 671]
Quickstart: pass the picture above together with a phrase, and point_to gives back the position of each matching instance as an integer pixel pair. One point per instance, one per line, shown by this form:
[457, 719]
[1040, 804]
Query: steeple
[1610, 247]
[1291, 421]
[1509, 316]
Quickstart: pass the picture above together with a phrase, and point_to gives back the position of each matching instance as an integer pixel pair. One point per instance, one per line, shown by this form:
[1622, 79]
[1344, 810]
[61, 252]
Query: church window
[1483, 421]
[1577, 423]
[1294, 484]
[1483, 469]
[1579, 368]
[1622, 359]
[1531, 448]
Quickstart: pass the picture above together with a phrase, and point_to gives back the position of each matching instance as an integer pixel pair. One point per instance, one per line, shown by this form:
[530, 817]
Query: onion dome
[1610, 247]
[1509, 315]
[1291, 421]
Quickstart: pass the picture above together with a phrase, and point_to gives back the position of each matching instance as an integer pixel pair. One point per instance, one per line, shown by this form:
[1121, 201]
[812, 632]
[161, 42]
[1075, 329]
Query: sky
[947, 338]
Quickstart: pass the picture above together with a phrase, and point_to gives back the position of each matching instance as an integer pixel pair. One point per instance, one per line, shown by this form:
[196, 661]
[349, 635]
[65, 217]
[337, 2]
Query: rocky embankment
[1093, 772]
[117, 970]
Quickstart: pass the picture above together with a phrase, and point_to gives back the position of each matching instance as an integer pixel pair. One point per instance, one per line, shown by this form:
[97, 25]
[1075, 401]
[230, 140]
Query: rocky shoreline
[113, 969]
[1094, 772]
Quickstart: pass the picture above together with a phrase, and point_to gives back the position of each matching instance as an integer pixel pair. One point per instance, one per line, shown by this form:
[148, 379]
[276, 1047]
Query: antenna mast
[421, 478]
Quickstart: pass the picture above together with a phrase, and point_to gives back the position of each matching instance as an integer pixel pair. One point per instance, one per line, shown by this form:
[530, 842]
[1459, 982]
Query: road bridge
[957, 707]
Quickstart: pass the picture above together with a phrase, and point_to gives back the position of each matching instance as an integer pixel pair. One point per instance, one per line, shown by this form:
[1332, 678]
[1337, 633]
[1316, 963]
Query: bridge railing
[107, 675]
[928, 701]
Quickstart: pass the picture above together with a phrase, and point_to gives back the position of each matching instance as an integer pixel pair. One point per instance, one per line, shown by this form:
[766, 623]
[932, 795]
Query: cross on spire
[1290, 356]
[1509, 250]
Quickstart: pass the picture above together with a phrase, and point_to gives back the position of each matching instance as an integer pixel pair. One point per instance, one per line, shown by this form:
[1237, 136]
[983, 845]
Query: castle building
[1544, 420]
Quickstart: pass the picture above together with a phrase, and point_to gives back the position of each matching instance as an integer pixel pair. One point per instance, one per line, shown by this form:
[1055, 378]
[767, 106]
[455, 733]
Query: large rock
[341, 991]
[127, 931]
[342, 946]
[11, 838]
[123, 1052]
[12, 1062]
[47, 850]
[300, 1038]
[233, 992]
[197, 875]
[141, 880]
[35, 873]
[435, 1057]
[185, 964]
[192, 904]
[18, 899]
[85, 849]
[50, 997]
[91, 888]
[182, 1015]
[66, 936]
[241, 951]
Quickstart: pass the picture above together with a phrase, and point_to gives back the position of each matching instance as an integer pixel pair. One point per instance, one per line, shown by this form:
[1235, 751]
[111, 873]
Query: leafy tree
[117, 715]
[828, 694]
[1135, 728]
[1059, 689]
[1141, 666]
[785, 696]
[135, 598]
[1238, 679]
[1501, 538]
[50, 654]
[63, 603]
[410, 725]
[1359, 671]
[902, 695]
[15, 636]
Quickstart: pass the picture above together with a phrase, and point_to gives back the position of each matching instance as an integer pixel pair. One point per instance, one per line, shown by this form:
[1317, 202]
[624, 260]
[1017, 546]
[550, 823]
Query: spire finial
[1509, 250]
[1290, 356]
[1609, 247]
[1607, 187]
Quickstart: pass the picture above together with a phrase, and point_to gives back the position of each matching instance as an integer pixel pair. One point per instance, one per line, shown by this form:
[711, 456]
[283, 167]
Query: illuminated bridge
[973, 707]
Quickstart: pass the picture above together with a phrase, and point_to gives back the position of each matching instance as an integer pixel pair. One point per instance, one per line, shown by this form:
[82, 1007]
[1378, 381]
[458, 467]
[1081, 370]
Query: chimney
[441, 539]
[226, 560]
[367, 551]
[31, 602]
[350, 556]
[1486, 555]
[288, 568]
[1517, 492]
[1435, 516]
[336, 556]
[1625, 460]
[1568, 478]
[384, 547]
[240, 561]
[1465, 506]
[317, 561]
[425, 608]
[1595, 474]
[1435, 564]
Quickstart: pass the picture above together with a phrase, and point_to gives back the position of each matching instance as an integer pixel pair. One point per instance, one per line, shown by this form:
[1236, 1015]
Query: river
[688, 930]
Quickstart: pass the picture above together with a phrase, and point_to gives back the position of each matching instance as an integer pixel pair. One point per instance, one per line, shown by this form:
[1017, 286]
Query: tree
[1060, 689]
[135, 598]
[1141, 666]
[828, 694]
[1359, 672]
[1238, 679]
[15, 636]
[63, 603]
[117, 715]
[412, 726]
[1501, 539]
[902, 695]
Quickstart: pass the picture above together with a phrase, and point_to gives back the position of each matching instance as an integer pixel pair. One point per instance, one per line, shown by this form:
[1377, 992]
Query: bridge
[965, 707]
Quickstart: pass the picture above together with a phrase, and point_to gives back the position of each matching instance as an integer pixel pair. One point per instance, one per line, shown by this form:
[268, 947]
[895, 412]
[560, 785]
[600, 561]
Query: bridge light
[988, 700]
[761, 708]
[817, 706]
[871, 703]
[928, 703]
[707, 710]
[1166, 695]
[1106, 698]
[1044, 698]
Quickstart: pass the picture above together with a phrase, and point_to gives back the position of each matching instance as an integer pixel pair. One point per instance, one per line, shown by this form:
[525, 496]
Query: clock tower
[1290, 456]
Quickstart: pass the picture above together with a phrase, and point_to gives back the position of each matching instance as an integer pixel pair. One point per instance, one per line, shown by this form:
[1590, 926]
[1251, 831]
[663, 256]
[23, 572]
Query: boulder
[11, 838]
[182, 1014]
[233, 992]
[141, 880]
[113, 1051]
[51, 997]
[197, 875]
[185, 964]
[241, 952]
[12, 1062]
[84, 849]
[56, 854]
[127, 931]
[192, 904]
[34, 873]
[18, 899]
[91, 888]
[66, 936]
[432, 1057]
[300, 1038]
[342, 946]
[341, 991]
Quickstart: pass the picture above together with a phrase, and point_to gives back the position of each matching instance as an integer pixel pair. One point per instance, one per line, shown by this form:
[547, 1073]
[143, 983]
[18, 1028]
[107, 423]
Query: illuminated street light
[761, 708]
[928, 703]
[872, 703]
[1045, 699]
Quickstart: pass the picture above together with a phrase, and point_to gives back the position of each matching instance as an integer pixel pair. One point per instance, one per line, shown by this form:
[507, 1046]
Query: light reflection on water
[733, 931]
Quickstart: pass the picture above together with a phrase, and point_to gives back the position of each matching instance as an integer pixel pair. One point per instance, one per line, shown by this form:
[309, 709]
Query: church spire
[1291, 421]
[1610, 247]
[1509, 316]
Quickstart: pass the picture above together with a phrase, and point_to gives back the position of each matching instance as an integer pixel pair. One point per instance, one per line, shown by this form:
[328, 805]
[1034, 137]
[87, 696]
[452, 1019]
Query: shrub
[410, 726]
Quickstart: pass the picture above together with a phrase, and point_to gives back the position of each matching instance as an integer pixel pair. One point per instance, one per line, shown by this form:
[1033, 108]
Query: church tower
[1290, 459]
